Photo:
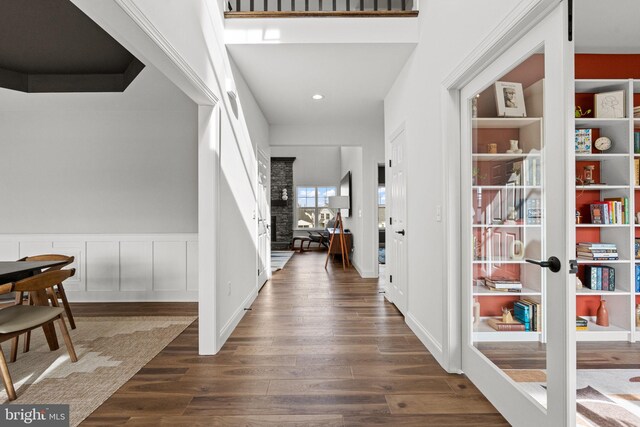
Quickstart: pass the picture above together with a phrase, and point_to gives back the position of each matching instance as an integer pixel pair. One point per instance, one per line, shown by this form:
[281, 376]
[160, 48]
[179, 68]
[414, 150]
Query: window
[382, 200]
[313, 206]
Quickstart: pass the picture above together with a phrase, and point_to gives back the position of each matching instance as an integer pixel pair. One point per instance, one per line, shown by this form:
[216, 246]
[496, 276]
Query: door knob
[552, 263]
[400, 232]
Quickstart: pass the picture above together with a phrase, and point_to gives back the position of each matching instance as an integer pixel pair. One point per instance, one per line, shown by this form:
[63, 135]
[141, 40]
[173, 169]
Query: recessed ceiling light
[317, 97]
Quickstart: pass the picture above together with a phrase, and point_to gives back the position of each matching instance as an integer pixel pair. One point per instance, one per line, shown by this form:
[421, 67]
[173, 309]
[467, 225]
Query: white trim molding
[118, 267]
[434, 347]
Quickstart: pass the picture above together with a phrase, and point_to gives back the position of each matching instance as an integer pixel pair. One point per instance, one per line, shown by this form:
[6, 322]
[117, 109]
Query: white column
[208, 170]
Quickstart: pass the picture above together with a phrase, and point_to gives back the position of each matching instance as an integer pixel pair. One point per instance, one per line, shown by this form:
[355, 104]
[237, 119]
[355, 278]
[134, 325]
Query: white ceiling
[354, 79]
[607, 26]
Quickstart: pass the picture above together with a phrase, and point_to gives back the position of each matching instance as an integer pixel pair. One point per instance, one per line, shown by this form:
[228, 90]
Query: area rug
[110, 351]
[604, 397]
[279, 259]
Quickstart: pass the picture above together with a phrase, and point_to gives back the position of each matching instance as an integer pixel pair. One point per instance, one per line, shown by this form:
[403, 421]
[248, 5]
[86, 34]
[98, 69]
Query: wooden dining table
[12, 271]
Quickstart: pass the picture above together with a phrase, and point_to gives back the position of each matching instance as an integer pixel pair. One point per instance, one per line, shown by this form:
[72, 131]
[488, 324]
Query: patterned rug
[604, 397]
[279, 259]
[110, 351]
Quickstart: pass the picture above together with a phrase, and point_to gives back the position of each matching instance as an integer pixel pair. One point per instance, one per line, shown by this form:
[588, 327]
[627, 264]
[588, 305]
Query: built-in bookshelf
[507, 221]
[613, 174]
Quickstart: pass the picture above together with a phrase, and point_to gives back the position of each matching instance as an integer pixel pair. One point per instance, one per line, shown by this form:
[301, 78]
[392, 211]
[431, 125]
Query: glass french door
[518, 287]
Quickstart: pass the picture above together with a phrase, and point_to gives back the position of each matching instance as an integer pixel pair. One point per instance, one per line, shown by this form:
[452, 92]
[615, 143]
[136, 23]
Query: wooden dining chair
[20, 318]
[59, 289]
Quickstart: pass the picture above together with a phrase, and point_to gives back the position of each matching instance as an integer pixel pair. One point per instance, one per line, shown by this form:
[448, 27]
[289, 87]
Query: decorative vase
[602, 316]
[513, 147]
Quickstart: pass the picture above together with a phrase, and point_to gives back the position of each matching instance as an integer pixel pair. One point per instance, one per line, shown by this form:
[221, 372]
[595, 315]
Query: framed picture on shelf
[510, 100]
[609, 105]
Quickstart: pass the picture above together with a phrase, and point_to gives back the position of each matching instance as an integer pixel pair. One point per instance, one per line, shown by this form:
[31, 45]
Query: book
[583, 141]
[597, 245]
[502, 284]
[534, 211]
[636, 138]
[499, 325]
[599, 213]
[581, 321]
[636, 163]
[637, 278]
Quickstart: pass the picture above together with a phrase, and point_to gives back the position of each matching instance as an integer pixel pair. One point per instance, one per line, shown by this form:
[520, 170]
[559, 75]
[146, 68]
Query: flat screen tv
[345, 190]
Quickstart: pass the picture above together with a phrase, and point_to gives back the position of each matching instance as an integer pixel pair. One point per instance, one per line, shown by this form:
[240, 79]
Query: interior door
[398, 227]
[518, 289]
[264, 220]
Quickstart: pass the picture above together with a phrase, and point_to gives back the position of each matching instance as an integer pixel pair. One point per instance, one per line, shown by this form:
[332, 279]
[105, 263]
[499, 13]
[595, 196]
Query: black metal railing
[321, 6]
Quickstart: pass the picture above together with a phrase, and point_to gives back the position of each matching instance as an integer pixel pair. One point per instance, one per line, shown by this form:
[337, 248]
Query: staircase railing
[316, 8]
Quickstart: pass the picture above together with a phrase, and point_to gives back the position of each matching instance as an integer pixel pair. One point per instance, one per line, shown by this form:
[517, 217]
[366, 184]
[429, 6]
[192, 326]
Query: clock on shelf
[603, 143]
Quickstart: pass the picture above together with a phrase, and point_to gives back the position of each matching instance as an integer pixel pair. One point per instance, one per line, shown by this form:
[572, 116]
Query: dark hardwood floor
[318, 349]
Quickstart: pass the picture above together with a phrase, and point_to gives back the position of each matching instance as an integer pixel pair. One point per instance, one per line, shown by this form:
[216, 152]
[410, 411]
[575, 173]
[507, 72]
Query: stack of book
[581, 324]
[636, 112]
[503, 285]
[529, 313]
[610, 211]
[637, 278]
[600, 278]
[595, 251]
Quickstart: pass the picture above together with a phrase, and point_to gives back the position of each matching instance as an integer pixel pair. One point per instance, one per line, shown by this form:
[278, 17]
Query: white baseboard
[132, 296]
[426, 338]
[364, 274]
[228, 328]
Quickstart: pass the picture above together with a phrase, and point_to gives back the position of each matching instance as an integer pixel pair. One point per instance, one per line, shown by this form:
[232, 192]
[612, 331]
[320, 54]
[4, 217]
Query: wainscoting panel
[9, 251]
[76, 250]
[192, 266]
[136, 266]
[131, 267]
[103, 266]
[170, 266]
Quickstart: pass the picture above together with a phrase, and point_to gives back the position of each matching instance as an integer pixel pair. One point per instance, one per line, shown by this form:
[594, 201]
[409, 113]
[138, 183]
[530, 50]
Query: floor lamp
[338, 203]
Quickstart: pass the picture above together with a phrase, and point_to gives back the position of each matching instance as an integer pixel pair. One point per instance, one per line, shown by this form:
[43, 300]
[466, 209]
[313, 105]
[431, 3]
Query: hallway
[317, 348]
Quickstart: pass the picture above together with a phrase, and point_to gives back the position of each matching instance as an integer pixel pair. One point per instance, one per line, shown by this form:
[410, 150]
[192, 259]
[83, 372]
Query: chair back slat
[50, 257]
[43, 281]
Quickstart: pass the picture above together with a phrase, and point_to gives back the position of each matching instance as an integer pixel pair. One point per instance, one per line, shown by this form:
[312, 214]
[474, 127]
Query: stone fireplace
[281, 210]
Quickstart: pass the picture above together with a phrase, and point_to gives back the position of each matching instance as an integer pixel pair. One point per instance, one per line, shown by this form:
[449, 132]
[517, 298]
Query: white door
[517, 148]
[264, 220]
[397, 287]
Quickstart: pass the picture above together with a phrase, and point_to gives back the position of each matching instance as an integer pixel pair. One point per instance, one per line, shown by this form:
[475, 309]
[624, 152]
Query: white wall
[99, 163]
[351, 161]
[415, 100]
[313, 165]
[369, 136]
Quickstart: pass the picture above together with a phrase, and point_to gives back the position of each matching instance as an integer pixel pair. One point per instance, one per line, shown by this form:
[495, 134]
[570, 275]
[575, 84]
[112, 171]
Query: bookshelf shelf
[602, 333]
[506, 226]
[602, 157]
[484, 333]
[504, 122]
[582, 123]
[506, 187]
[499, 261]
[501, 157]
[603, 225]
[588, 292]
[614, 261]
[484, 292]
[601, 187]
